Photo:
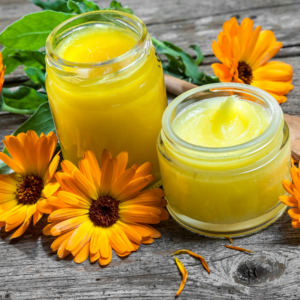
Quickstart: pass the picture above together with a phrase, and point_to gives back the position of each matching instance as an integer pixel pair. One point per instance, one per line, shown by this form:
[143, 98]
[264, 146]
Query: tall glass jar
[115, 104]
[228, 191]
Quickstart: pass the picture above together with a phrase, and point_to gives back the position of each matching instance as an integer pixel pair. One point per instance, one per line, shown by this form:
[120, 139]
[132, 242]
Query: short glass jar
[230, 191]
[115, 104]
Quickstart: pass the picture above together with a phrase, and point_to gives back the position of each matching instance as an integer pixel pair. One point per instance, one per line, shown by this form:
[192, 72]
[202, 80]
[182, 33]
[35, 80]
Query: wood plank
[153, 12]
[28, 268]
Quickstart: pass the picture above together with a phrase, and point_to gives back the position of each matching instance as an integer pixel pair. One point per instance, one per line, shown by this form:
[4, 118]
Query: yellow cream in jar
[106, 90]
[221, 122]
[222, 162]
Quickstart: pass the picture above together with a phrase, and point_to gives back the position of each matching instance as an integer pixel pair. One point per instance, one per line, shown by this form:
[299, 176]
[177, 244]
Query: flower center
[104, 211]
[30, 189]
[245, 72]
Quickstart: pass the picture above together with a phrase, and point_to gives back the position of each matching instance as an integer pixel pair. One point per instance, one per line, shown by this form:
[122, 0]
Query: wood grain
[28, 268]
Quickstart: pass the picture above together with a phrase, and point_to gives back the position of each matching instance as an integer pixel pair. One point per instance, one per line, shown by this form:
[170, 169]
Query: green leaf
[40, 121]
[181, 64]
[13, 58]
[9, 61]
[31, 32]
[36, 75]
[35, 59]
[1, 100]
[115, 5]
[56, 5]
[82, 6]
[199, 59]
[4, 169]
[73, 7]
[24, 98]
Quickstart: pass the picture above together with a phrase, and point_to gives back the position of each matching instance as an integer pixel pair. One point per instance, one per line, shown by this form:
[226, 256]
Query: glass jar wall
[228, 191]
[105, 86]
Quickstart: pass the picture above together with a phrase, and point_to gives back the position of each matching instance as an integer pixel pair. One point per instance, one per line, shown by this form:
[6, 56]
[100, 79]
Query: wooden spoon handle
[177, 86]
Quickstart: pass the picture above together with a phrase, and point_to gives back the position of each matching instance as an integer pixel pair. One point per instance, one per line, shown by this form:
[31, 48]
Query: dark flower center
[245, 72]
[30, 189]
[104, 211]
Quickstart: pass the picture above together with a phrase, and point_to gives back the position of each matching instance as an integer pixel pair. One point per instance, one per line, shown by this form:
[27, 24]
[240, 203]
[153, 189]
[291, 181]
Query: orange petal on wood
[202, 259]
[184, 273]
[238, 249]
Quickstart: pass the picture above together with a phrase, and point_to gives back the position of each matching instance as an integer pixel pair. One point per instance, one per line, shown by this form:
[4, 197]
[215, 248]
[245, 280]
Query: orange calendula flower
[294, 200]
[245, 52]
[103, 208]
[2, 71]
[31, 183]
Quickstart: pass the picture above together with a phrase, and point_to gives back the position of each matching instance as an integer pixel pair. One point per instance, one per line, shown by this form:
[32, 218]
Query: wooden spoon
[177, 86]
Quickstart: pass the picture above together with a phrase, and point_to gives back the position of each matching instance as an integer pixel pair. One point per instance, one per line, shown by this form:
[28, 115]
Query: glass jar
[115, 104]
[230, 191]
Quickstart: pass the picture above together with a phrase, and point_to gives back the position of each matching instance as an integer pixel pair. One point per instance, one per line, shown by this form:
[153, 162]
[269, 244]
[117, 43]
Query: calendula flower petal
[295, 223]
[133, 235]
[21, 229]
[82, 232]
[184, 274]
[11, 163]
[183, 251]
[134, 188]
[122, 182]
[108, 175]
[105, 248]
[238, 248]
[59, 240]
[94, 256]
[51, 169]
[74, 200]
[202, 259]
[147, 240]
[105, 261]
[289, 201]
[122, 159]
[83, 254]
[294, 213]
[288, 186]
[67, 225]
[62, 251]
[66, 213]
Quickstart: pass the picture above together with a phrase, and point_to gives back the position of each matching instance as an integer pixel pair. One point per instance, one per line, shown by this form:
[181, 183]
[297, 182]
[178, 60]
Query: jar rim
[274, 126]
[63, 62]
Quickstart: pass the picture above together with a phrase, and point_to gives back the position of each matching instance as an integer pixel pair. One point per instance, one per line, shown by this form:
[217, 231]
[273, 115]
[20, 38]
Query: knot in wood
[257, 271]
[104, 211]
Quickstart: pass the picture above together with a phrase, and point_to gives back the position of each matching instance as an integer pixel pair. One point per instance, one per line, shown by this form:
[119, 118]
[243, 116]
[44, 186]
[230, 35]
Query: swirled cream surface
[221, 122]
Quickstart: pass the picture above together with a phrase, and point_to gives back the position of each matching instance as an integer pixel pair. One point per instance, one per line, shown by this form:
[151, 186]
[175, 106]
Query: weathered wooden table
[28, 268]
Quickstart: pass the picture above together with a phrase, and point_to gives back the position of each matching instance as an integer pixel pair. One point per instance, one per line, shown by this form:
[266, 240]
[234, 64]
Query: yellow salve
[221, 122]
[215, 190]
[116, 106]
